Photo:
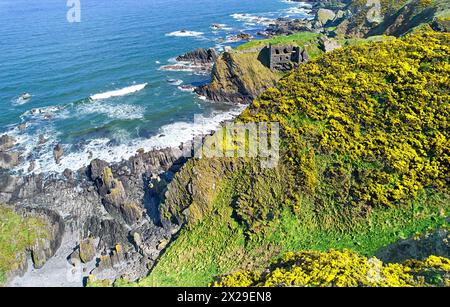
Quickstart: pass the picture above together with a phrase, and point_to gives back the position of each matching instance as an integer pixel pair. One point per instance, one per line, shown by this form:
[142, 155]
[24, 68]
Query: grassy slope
[218, 245]
[16, 235]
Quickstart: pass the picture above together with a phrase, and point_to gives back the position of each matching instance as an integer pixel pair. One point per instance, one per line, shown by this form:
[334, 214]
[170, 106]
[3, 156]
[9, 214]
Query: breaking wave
[121, 92]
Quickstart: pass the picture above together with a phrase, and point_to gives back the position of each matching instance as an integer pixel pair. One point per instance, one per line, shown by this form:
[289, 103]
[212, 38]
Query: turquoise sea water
[119, 46]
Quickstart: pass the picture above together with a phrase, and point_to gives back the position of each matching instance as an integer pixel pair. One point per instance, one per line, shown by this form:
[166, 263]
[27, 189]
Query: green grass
[360, 41]
[16, 235]
[302, 39]
[298, 39]
[211, 247]
[363, 235]
[218, 245]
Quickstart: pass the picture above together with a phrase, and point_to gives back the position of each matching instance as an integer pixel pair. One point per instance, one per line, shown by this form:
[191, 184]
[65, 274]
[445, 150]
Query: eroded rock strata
[107, 213]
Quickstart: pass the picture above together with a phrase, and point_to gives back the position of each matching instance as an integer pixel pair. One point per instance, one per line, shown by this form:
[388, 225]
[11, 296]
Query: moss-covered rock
[238, 77]
[23, 233]
[87, 250]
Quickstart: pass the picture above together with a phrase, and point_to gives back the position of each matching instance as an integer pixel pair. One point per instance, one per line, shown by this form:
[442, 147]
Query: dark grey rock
[58, 153]
[199, 56]
[6, 142]
[9, 160]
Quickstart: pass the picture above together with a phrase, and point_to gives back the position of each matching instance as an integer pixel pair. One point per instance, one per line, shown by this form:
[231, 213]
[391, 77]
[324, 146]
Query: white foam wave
[251, 19]
[170, 135]
[221, 27]
[43, 112]
[114, 111]
[20, 101]
[121, 92]
[185, 33]
[300, 4]
[175, 81]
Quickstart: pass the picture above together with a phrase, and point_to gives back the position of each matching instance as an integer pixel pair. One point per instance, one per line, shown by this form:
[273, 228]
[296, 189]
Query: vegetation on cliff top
[395, 17]
[239, 77]
[342, 269]
[365, 162]
[371, 134]
[17, 234]
[307, 40]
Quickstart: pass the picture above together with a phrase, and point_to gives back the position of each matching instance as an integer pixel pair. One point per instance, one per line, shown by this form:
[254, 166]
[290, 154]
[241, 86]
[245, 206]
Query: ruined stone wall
[282, 58]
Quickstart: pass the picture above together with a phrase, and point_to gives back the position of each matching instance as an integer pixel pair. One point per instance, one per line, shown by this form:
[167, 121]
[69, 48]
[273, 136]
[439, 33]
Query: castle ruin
[283, 58]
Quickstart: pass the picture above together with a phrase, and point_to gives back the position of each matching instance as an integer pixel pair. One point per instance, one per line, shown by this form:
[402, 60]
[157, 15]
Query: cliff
[390, 17]
[359, 148]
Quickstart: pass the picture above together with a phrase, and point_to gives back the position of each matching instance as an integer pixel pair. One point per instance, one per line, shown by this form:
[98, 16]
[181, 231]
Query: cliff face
[238, 78]
[389, 17]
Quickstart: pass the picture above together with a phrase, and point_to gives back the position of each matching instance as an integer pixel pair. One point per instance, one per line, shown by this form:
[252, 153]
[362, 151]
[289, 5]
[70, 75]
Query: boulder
[6, 142]
[328, 45]
[435, 243]
[58, 152]
[9, 160]
[87, 250]
[323, 16]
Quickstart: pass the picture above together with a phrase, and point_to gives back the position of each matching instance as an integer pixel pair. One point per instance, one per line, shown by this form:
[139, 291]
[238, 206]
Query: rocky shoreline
[105, 213]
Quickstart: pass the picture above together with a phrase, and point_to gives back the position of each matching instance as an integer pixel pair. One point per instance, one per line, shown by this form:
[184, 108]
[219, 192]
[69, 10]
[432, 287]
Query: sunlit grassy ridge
[308, 40]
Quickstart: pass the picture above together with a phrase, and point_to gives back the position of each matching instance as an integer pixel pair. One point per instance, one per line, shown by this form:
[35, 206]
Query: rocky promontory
[238, 77]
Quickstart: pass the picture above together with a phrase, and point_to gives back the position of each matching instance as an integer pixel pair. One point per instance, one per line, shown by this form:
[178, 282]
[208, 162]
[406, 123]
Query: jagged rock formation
[58, 153]
[370, 18]
[199, 56]
[361, 19]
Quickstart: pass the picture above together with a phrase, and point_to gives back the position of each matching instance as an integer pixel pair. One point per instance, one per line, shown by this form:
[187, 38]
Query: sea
[96, 81]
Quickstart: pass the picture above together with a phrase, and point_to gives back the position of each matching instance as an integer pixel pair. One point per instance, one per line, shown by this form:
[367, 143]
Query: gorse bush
[342, 269]
[369, 122]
